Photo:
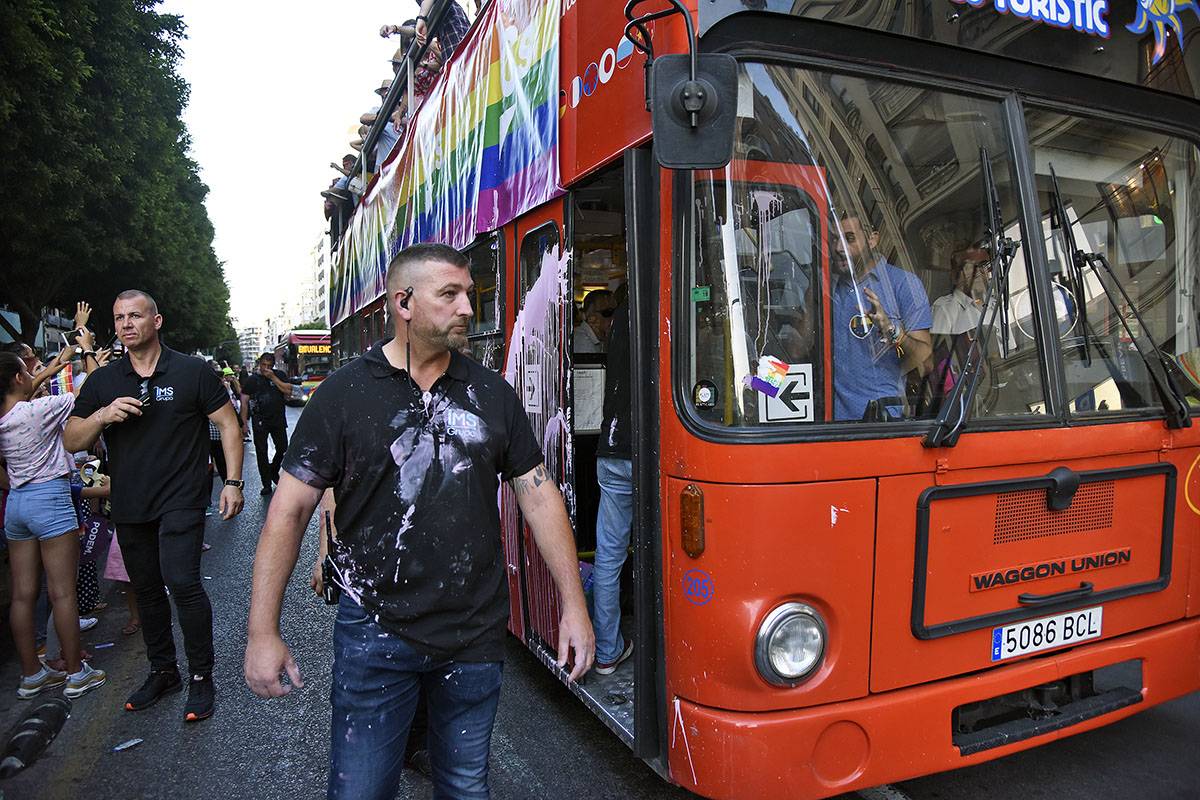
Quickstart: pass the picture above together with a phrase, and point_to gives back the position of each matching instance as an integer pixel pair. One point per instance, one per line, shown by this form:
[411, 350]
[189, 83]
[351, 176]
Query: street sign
[794, 402]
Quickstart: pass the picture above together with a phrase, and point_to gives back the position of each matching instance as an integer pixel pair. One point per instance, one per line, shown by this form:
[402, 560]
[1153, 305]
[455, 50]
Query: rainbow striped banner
[62, 382]
[481, 151]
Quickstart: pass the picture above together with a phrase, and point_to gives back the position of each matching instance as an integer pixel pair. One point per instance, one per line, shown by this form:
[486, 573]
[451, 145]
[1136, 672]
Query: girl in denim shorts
[38, 518]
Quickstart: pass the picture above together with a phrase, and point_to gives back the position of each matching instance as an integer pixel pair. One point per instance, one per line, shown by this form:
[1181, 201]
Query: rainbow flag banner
[63, 382]
[481, 150]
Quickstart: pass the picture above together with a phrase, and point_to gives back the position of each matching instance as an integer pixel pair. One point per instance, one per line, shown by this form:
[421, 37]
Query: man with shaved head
[414, 438]
[158, 460]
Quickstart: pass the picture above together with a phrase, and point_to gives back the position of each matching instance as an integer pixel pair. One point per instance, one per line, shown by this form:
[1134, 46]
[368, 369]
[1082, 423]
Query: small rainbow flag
[771, 372]
[63, 382]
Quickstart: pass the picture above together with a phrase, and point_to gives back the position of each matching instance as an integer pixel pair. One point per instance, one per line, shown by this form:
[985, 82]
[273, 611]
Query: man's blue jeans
[377, 678]
[613, 521]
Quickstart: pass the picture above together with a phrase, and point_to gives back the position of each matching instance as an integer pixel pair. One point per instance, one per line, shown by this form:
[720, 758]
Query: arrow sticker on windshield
[794, 400]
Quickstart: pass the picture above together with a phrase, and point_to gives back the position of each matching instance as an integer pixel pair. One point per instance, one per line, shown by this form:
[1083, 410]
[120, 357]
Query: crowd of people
[431, 47]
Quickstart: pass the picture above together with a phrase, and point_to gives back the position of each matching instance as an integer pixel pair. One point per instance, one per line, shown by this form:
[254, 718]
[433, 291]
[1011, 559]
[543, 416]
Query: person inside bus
[958, 311]
[598, 308]
[881, 320]
[263, 396]
[614, 518]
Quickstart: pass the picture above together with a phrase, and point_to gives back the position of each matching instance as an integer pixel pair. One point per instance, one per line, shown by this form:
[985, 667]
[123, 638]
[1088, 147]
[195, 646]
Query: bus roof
[308, 337]
[1133, 42]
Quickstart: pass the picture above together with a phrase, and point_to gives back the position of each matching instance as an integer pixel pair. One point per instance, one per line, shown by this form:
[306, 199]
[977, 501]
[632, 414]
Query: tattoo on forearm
[536, 478]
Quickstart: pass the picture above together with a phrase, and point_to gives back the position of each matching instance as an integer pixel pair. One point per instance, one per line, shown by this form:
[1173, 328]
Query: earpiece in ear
[407, 296]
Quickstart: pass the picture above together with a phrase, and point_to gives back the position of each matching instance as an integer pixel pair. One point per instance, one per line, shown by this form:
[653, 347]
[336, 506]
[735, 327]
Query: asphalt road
[546, 744]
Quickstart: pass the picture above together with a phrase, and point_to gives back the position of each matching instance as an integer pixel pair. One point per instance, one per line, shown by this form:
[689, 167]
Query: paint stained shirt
[416, 479]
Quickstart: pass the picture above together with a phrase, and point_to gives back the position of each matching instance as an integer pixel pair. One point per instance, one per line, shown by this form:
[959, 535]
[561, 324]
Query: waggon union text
[1048, 569]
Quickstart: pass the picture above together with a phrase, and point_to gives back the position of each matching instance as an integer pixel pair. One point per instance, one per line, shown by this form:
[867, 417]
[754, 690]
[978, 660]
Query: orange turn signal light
[691, 520]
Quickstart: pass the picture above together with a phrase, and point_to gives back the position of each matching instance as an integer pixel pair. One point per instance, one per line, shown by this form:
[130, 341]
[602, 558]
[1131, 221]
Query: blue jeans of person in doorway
[613, 521]
[377, 678]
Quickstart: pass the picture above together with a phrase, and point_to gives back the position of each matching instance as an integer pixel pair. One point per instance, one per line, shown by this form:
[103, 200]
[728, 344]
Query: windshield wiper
[1074, 267]
[956, 408]
[1174, 404]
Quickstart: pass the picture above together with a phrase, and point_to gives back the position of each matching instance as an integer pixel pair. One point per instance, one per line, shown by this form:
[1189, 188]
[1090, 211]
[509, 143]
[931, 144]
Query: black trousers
[166, 553]
[268, 469]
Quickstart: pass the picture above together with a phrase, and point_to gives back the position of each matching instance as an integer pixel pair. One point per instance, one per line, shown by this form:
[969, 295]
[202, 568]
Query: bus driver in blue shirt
[881, 320]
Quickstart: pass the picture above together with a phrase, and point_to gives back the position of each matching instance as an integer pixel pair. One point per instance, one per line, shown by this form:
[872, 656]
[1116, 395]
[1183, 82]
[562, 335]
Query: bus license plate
[1034, 635]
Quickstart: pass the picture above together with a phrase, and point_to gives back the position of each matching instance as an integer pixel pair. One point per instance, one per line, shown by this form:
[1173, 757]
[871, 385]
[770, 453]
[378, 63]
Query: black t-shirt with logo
[158, 462]
[416, 480]
[266, 401]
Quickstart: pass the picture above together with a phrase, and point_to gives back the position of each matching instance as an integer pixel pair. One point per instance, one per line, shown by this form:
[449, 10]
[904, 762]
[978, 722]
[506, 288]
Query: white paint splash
[833, 515]
[679, 726]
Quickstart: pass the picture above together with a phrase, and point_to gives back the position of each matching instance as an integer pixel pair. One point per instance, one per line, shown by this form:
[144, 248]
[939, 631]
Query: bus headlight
[790, 644]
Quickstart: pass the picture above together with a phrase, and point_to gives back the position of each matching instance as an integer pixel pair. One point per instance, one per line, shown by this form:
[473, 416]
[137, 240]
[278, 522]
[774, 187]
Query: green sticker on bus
[700, 294]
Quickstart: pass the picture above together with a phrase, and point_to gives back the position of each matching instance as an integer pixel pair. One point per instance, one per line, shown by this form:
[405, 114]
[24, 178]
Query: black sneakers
[160, 682]
[200, 699]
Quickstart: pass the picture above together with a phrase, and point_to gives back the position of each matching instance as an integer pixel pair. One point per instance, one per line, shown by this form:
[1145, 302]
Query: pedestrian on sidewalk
[414, 438]
[39, 525]
[264, 394]
[153, 405]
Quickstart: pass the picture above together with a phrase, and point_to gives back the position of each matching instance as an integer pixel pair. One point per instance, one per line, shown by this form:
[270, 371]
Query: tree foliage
[100, 193]
[313, 325]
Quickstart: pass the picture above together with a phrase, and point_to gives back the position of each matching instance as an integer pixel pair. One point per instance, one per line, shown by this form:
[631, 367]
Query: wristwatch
[235, 484]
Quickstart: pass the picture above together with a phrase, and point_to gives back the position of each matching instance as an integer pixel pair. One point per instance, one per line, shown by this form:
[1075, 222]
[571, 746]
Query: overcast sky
[277, 89]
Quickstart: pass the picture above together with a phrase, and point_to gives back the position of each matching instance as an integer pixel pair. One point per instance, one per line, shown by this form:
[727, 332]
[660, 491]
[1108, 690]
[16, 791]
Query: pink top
[31, 439]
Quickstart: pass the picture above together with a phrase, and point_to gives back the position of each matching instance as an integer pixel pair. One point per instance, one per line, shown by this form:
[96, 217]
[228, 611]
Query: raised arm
[278, 548]
[82, 432]
[283, 386]
[543, 508]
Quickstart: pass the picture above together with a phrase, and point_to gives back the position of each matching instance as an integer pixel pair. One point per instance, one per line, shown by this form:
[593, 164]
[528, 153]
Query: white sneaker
[45, 679]
[87, 623]
[84, 681]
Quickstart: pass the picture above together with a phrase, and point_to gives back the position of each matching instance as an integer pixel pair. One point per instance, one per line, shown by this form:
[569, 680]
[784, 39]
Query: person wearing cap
[389, 135]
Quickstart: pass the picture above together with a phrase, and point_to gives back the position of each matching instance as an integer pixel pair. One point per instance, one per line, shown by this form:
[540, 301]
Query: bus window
[534, 246]
[485, 336]
[841, 263]
[1127, 193]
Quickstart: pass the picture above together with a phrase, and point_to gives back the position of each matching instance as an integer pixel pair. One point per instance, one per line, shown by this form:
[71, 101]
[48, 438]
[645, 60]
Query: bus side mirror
[693, 120]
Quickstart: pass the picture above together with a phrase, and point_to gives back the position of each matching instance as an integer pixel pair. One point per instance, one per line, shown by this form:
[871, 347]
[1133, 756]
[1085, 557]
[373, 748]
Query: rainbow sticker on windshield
[1158, 16]
[771, 372]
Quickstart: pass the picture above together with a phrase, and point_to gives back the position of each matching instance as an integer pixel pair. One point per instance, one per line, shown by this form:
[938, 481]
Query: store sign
[314, 349]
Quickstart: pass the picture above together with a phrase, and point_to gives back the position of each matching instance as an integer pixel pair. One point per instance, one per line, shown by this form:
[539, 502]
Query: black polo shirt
[417, 484]
[266, 401]
[158, 462]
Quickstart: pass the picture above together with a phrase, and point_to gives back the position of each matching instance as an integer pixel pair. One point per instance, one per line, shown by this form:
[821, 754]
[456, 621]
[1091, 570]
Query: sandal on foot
[131, 628]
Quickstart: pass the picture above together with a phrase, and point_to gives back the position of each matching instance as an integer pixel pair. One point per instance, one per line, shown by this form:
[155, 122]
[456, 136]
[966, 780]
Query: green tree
[106, 197]
[315, 325]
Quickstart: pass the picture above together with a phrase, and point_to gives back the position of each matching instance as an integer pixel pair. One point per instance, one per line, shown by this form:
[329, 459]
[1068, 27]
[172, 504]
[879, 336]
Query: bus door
[538, 366]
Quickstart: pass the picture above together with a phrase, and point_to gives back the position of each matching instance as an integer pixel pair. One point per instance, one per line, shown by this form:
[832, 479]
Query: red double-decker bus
[914, 349]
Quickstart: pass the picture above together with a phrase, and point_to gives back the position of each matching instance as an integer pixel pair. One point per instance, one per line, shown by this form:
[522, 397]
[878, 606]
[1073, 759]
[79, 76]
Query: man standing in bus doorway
[614, 472]
[264, 393]
[414, 439]
[158, 461]
[881, 320]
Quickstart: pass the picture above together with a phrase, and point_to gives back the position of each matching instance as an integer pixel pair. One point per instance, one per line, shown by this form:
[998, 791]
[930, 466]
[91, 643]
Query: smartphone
[70, 338]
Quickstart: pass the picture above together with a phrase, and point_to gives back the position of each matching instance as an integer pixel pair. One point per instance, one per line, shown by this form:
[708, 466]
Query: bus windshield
[841, 263]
